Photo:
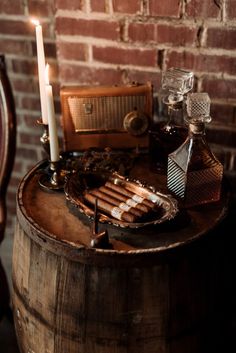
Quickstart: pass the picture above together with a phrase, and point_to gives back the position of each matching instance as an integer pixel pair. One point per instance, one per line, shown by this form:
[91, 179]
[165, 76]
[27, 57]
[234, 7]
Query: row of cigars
[119, 202]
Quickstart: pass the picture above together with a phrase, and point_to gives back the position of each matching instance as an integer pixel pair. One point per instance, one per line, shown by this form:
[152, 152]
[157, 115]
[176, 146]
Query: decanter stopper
[198, 107]
[177, 82]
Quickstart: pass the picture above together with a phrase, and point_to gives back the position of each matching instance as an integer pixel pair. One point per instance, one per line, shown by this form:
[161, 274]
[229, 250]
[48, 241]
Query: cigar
[112, 210]
[125, 191]
[122, 205]
[125, 199]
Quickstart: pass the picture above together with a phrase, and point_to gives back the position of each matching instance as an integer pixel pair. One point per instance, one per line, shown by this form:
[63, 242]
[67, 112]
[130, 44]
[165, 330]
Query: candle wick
[35, 21]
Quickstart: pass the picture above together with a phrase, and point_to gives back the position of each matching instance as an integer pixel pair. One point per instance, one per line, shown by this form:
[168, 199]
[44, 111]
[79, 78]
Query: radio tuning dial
[136, 123]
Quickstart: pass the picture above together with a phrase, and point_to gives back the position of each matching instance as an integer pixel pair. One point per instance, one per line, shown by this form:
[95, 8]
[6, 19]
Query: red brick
[125, 6]
[33, 103]
[14, 181]
[176, 35]
[75, 74]
[21, 66]
[142, 32]
[27, 153]
[11, 46]
[30, 103]
[72, 51]
[49, 49]
[57, 104]
[202, 62]
[222, 136]
[143, 77]
[31, 122]
[170, 8]
[26, 84]
[11, 208]
[91, 28]
[25, 67]
[29, 139]
[31, 163]
[17, 167]
[219, 88]
[11, 196]
[222, 113]
[15, 27]
[146, 57]
[40, 8]
[7, 7]
[231, 9]
[221, 38]
[98, 5]
[45, 29]
[69, 4]
[202, 9]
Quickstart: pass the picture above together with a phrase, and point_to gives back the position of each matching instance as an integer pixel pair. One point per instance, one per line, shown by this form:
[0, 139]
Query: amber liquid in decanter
[194, 174]
[165, 138]
[169, 133]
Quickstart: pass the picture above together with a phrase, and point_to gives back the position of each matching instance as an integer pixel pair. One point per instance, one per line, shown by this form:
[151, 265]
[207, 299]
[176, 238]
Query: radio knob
[136, 123]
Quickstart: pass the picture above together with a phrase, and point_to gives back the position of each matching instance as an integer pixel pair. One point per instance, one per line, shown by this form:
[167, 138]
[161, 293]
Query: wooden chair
[7, 154]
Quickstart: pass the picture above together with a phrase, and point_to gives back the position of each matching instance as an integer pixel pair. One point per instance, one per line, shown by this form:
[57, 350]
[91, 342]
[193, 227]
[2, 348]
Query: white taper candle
[41, 69]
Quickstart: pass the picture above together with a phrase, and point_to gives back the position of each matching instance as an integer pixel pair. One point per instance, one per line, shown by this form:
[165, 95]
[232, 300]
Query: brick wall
[117, 41]
[17, 42]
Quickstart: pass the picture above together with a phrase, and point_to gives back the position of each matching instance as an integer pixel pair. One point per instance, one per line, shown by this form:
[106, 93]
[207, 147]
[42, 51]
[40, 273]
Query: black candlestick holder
[52, 177]
[52, 174]
[44, 139]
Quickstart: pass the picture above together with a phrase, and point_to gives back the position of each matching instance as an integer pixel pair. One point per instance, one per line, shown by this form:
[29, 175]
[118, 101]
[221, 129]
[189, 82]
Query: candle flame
[47, 74]
[35, 21]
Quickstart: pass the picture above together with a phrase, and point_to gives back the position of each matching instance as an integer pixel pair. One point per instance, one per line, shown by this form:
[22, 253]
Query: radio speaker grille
[96, 116]
[103, 113]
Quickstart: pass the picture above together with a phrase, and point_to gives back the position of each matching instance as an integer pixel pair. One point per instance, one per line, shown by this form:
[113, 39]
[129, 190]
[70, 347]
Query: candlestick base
[44, 139]
[53, 177]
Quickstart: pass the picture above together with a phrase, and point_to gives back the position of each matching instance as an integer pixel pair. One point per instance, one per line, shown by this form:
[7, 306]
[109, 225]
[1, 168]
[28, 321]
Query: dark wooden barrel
[156, 291]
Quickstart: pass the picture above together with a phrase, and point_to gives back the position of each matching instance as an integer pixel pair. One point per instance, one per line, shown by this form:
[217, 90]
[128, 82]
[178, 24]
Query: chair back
[7, 140]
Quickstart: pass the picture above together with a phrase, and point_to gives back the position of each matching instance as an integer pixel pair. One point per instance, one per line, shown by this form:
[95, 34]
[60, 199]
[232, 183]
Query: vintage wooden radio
[106, 116]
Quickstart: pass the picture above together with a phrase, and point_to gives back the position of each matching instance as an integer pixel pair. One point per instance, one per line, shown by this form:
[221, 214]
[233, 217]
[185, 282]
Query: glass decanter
[194, 174]
[168, 134]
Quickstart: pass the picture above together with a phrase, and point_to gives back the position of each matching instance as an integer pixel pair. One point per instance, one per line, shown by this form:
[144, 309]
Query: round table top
[52, 217]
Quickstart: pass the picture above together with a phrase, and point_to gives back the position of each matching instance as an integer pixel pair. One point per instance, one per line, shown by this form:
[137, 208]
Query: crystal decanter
[170, 133]
[194, 174]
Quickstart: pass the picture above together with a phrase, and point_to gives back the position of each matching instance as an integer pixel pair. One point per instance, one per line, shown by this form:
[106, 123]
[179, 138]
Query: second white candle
[52, 125]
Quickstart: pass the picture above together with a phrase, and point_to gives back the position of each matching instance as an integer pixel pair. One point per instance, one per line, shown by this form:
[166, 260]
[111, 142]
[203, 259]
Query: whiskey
[166, 136]
[165, 139]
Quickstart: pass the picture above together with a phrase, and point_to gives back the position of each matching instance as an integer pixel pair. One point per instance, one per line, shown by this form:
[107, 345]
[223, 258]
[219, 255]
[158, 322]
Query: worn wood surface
[161, 296]
[53, 217]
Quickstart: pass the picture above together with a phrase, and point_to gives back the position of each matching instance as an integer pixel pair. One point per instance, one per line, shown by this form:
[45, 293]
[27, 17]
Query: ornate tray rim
[169, 203]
